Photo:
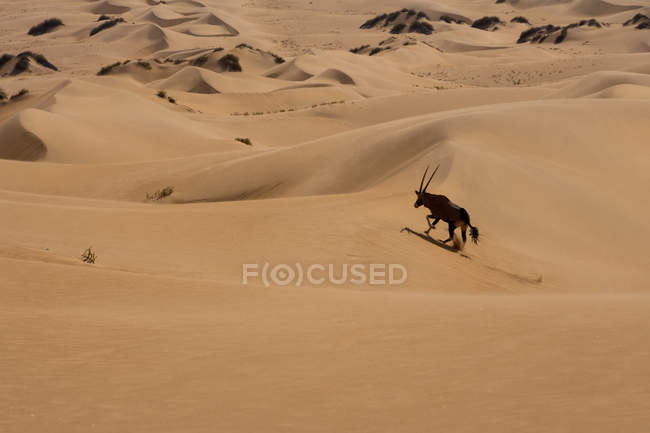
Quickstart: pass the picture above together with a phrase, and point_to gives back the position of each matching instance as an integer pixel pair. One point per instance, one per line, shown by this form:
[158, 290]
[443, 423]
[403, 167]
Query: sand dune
[599, 7]
[599, 81]
[110, 7]
[196, 137]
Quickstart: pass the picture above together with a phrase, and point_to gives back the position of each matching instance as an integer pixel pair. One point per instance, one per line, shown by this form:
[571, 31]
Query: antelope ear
[416, 193]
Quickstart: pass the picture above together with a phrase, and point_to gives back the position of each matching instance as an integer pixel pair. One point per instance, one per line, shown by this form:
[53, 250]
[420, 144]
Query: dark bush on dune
[374, 21]
[486, 22]
[392, 17]
[522, 20]
[19, 95]
[562, 36]
[200, 61]
[357, 49]
[106, 25]
[39, 58]
[144, 65]
[22, 65]
[421, 27]
[636, 19]
[107, 69]
[398, 28]
[45, 27]
[537, 34]
[246, 141]
[103, 18]
[23, 61]
[540, 34]
[276, 58]
[385, 20]
[230, 63]
[375, 51]
[500, 1]
[450, 20]
[4, 59]
[641, 21]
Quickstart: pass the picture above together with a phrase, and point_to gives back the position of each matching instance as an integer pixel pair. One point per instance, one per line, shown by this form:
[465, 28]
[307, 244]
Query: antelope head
[421, 191]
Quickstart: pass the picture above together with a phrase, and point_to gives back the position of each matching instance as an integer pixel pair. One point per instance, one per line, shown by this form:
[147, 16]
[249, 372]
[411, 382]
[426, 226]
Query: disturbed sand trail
[542, 326]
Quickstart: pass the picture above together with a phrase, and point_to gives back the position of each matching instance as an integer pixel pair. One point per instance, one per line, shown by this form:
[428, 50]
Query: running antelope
[444, 209]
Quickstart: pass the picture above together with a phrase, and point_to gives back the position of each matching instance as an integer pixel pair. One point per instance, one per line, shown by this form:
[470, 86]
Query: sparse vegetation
[407, 15]
[562, 35]
[39, 58]
[276, 58]
[103, 18]
[421, 27]
[641, 21]
[89, 256]
[374, 21]
[22, 65]
[520, 19]
[398, 28]
[392, 17]
[144, 65]
[374, 51]
[200, 61]
[19, 94]
[246, 141]
[450, 20]
[537, 34]
[45, 27]
[161, 94]
[160, 194]
[358, 49]
[106, 25]
[230, 63]
[486, 23]
[107, 69]
[171, 100]
[4, 59]
[540, 34]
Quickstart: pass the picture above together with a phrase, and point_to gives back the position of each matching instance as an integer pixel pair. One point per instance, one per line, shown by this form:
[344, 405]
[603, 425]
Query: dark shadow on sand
[434, 242]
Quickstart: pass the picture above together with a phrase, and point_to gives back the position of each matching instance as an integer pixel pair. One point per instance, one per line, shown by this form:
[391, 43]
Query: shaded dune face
[18, 143]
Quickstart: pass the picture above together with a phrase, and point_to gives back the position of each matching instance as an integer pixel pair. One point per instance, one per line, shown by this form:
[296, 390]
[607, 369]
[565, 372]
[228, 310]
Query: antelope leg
[429, 224]
[451, 233]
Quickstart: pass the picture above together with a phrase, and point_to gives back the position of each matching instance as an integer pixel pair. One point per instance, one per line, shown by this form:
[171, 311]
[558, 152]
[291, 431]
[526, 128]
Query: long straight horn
[432, 174]
[422, 181]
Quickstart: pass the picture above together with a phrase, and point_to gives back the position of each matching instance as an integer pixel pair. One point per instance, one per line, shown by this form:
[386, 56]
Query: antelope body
[442, 208]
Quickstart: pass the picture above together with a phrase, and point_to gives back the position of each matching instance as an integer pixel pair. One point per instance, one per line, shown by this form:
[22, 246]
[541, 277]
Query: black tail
[473, 231]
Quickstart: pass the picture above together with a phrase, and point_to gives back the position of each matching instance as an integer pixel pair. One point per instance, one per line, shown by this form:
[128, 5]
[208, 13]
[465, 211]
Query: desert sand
[543, 326]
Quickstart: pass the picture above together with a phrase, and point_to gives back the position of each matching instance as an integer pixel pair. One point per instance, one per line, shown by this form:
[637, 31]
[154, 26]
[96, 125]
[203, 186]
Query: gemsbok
[442, 208]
